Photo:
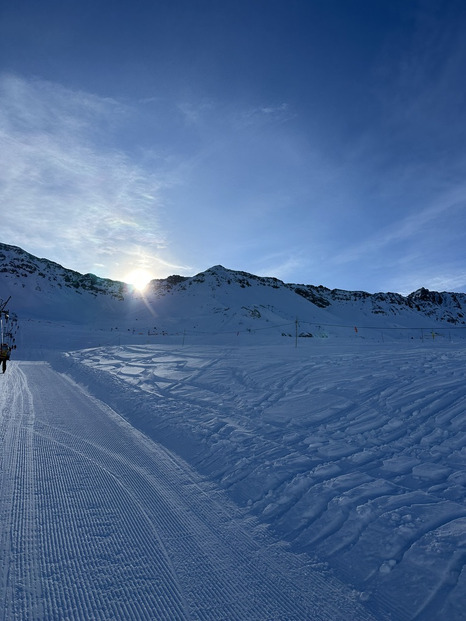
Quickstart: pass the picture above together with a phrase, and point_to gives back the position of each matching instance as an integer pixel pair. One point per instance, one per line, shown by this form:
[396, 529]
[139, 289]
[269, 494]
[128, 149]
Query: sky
[316, 141]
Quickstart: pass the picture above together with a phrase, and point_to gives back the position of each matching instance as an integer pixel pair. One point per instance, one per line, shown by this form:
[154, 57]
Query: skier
[5, 351]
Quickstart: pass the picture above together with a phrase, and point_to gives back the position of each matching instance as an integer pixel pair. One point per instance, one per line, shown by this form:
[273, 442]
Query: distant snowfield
[356, 454]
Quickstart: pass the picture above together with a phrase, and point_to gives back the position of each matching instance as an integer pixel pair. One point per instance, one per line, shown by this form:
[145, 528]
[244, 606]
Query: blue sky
[317, 141]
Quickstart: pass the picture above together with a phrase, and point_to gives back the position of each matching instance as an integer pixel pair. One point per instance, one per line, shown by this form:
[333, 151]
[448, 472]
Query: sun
[139, 279]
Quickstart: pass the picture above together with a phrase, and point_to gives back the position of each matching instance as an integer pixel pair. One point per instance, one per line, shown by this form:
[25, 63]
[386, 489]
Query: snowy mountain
[172, 455]
[220, 301]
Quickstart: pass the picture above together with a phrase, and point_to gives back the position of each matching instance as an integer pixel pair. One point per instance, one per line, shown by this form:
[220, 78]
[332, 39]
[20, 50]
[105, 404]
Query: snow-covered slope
[99, 523]
[352, 452]
[351, 447]
[42, 289]
[220, 301]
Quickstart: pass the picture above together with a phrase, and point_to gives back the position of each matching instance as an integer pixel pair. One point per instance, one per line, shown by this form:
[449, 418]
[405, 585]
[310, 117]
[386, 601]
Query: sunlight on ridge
[139, 279]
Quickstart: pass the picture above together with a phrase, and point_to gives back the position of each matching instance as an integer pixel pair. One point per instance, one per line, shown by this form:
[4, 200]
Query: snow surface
[355, 454]
[99, 522]
[176, 457]
[149, 499]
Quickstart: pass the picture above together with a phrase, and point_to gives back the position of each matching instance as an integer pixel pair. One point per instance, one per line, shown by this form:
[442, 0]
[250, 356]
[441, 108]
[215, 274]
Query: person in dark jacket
[5, 351]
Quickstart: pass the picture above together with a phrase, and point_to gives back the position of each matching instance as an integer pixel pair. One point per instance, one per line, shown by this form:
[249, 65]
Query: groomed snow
[250, 480]
[354, 453]
[99, 522]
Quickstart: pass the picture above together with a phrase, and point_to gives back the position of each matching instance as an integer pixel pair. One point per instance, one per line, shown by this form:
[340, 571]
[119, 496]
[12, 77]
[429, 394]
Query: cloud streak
[63, 192]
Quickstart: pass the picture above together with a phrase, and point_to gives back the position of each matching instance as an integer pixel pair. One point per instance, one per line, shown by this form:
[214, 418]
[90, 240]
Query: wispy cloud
[412, 229]
[447, 276]
[65, 191]
[281, 265]
[264, 115]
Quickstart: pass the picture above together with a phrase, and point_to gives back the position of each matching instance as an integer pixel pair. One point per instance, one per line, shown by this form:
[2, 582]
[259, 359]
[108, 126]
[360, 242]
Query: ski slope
[98, 521]
[353, 452]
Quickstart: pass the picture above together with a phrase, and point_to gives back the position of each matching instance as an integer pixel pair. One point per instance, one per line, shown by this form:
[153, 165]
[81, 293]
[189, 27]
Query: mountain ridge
[216, 299]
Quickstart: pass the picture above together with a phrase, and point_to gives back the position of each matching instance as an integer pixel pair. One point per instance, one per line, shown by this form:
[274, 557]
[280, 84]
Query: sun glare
[139, 279]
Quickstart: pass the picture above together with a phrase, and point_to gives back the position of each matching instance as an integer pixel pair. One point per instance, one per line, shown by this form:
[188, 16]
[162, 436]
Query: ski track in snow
[99, 522]
[357, 456]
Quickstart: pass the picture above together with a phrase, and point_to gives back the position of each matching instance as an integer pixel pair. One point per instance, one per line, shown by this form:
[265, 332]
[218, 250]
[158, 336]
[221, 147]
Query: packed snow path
[99, 522]
[356, 453]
